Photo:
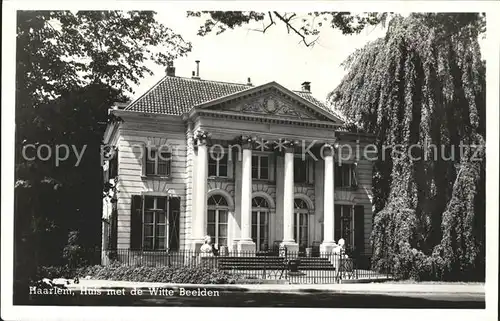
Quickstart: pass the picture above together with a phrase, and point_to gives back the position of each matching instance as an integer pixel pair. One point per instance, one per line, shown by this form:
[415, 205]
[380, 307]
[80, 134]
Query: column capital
[247, 141]
[328, 148]
[282, 146]
[253, 142]
[201, 137]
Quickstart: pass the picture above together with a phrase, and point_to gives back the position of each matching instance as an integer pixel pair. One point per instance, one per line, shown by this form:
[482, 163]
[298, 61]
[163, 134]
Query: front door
[260, 230]
[301, 230]
[301, 224]
[260, 223]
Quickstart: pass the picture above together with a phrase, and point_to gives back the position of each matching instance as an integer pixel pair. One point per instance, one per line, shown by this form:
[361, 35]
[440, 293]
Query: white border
[491, 53]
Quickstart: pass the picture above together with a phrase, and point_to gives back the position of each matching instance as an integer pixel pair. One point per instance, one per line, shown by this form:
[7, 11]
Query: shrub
[52, 272]
[196, 275]
[73, 252]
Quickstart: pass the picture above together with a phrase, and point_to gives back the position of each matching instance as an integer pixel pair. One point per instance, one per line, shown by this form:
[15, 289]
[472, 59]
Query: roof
[177, 95]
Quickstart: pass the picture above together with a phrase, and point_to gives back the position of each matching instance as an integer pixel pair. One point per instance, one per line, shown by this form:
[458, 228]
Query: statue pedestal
[292, 248]
[245, 248]
[327, 248]
[196, 245]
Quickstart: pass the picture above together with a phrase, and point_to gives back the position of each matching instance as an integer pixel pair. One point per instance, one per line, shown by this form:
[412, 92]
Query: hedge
[120, 272]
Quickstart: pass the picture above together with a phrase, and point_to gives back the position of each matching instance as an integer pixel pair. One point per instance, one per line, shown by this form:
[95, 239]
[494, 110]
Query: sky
[235, 55]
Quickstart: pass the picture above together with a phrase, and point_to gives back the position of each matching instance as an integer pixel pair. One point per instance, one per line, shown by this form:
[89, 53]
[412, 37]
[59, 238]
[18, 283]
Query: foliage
[54, 272]
[61, 49]
[186, 274]
[421, 90]
[70, 68]
[73, 251]
[306, 26]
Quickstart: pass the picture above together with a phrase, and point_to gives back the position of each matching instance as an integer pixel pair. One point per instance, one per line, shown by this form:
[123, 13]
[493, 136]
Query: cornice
[262, 118]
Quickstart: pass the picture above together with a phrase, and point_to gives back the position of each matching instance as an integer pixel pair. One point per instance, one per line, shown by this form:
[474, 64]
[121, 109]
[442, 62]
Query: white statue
[341, 247]
[206, 248]
[339, 254]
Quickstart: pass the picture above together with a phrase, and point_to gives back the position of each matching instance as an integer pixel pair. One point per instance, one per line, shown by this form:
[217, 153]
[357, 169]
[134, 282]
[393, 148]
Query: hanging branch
[290, 27]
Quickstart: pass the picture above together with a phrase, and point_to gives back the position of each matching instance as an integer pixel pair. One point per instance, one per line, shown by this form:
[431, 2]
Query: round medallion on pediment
[271, 106]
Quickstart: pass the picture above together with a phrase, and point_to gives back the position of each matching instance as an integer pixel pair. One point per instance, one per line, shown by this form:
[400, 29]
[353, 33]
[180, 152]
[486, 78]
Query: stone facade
[264, 193]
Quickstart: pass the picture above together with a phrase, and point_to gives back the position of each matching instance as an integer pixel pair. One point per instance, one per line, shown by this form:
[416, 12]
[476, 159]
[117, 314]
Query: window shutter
[144, 155]
[113, 166]
[337, 175]
[114, 227]
[174, 208]
[117, 163]
[337, 213]
[272, 166]
[359, 228]
[312, 166]
[136, 223]
[354, 173]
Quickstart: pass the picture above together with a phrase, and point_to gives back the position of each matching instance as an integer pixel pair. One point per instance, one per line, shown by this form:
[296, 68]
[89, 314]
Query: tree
[423, 85]
[71, 67]
[306, 26]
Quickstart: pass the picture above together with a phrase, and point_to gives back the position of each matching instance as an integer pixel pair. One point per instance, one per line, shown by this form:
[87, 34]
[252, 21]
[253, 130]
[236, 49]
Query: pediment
[268, 104]
[271, 100]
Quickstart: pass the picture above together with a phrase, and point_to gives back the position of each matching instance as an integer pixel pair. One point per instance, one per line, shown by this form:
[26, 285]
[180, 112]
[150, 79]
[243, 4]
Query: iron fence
[271, 266]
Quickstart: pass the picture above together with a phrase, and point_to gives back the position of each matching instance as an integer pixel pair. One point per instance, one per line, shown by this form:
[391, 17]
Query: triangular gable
[271, 99]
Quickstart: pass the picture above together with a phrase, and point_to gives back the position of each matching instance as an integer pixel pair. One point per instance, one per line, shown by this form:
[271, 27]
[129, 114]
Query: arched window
[217, 219]
[217, 200]
[301, 223]
[260, 223]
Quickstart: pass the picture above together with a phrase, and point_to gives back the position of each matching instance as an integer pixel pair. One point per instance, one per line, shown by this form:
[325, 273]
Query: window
[260, 167]
[301, 170]
[157, 162]
[113, 166]
[217, 164]
[260, 223]
[345, 175]
[301, 223]
[217, 218]
[154, 223]
[344, 224]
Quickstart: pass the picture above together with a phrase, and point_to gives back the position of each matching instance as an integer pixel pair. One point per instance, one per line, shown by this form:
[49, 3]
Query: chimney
[197, 75]
[306, 86]
[170, 69]
[249, 82]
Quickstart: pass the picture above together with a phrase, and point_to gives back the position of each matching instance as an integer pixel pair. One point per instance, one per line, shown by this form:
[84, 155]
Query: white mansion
[254, 167]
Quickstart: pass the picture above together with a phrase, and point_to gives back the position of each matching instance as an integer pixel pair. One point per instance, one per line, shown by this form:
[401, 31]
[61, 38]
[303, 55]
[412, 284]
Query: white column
[245, 244]
[200, 195]
[288, 204]
[328, 203]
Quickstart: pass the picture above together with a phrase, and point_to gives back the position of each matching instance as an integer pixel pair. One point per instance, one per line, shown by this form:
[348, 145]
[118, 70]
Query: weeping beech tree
[421, 91]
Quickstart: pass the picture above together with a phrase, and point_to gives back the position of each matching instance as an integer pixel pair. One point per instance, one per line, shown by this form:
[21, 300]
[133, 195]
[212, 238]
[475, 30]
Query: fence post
[264, 270]
[341, 267]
